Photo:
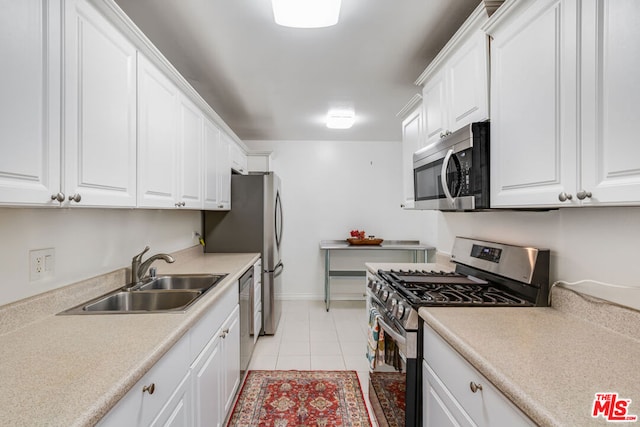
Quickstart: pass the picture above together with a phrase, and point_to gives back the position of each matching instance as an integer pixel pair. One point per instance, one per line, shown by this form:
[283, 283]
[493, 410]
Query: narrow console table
[421, 253]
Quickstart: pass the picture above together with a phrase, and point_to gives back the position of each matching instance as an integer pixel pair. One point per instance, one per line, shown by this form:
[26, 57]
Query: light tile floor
[310, 338]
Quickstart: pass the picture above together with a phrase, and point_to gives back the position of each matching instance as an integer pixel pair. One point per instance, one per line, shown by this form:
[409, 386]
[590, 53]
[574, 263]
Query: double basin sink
[166, 293]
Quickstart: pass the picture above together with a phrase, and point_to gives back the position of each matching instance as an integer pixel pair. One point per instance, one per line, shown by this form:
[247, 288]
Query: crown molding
[413, 102]
[473, 23]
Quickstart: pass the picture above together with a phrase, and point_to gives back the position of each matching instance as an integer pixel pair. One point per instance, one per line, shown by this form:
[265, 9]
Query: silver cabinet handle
[475, 387]
[583, 195]
[563, 197]
[220, 206]
[179, 204]
[75, 198]
[184, 203]
[149, 388]
[58, 197]
[224, 333]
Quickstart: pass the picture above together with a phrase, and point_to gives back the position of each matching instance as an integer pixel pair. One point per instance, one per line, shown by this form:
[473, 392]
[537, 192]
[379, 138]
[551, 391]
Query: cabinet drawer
[486, 406]
[211, 322]
[139, 407]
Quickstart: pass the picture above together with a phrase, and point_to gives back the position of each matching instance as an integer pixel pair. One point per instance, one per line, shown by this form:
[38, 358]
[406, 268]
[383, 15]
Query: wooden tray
[355, 242]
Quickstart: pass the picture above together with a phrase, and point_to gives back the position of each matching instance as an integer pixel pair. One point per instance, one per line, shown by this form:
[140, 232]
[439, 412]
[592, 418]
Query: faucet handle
[139, 256]
[152, 272]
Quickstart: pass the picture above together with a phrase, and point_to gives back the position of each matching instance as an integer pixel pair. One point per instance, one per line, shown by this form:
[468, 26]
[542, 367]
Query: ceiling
[269, 82]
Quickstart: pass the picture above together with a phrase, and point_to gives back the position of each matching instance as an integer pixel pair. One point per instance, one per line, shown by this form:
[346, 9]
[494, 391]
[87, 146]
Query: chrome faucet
[139, 268]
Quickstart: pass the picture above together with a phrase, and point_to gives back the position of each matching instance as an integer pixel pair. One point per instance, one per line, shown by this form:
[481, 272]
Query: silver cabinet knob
[563, 197]
[149, 388]
[58, 197]
[75, 198]
[184, 203]
[220, 206]
[475, 387]
[583, 195]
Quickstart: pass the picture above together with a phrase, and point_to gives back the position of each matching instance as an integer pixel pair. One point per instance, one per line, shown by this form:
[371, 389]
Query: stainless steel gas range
[487, 274]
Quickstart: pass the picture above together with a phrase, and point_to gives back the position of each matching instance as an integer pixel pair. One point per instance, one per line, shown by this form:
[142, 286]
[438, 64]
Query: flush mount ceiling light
[306, 13]
[340, 119]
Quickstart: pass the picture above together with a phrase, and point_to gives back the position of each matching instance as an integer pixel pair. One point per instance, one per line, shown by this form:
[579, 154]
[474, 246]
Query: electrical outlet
[41, 263]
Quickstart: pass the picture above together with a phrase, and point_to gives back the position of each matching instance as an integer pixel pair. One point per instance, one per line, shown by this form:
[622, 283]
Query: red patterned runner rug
[390, 389]
[300, 399]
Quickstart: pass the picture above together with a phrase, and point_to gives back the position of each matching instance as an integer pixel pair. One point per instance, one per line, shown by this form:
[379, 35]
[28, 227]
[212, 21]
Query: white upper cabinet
[30, 102]
[223, 166]
[211, 144]
[190, 149]
[610, 154]
[157, 137]
[99, 110]
[533, 103]
[455, 84]
[239, 162]
[412, 139]
[217, 184]
[563, 107]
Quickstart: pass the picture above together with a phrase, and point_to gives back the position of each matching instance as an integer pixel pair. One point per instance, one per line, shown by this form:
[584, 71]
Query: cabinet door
[435, 110]
[223, 165]
[610, 93]
[207, 385]
[411, 142]
[211, 143]
[30, 102]
[157, 118]
[177, 411]
[468, 83]
[231, 348]
[533, 104]
[439, 408]
[190, 146]
[99, 109]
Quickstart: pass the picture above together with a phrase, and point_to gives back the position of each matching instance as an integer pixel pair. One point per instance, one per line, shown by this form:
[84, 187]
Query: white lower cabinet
[177, 411]
[195, 382]
[454, 393]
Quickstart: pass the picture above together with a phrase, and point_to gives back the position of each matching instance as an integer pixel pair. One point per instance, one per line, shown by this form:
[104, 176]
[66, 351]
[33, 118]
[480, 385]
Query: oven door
[394, 381]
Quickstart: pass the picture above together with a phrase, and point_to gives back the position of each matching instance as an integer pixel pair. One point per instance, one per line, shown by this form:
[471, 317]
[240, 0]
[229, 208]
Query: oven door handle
[443, 177]
[389, 330]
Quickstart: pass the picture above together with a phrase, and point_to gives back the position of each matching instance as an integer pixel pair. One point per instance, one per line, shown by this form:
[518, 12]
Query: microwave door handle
[443, 177]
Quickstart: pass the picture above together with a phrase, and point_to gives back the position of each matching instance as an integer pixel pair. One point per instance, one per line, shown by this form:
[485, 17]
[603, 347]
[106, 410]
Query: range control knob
[400, 311]
[376, 287]
[385, 295]
[370, 284]
[393, 302]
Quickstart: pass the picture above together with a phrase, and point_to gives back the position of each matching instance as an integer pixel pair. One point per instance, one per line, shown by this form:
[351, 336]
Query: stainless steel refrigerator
[254, 224]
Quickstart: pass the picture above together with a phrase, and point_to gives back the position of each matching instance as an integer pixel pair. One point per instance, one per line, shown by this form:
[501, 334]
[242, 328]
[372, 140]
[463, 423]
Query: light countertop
[70, 370]
[550, 361]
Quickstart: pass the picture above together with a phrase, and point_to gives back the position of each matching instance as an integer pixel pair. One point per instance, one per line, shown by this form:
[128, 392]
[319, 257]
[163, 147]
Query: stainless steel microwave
[452, 174]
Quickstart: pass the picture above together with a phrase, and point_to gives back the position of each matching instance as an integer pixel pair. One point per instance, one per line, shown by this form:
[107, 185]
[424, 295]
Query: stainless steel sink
[169, 293]
[143, 301]
[201, 282]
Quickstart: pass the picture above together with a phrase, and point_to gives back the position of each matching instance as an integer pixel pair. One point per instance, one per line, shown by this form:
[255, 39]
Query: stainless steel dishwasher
[246, 320]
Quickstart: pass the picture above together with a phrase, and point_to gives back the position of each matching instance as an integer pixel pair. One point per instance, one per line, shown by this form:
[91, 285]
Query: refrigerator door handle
[279, 267]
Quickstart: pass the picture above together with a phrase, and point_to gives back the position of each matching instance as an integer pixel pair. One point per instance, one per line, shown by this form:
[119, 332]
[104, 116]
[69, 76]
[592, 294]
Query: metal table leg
[327, 289]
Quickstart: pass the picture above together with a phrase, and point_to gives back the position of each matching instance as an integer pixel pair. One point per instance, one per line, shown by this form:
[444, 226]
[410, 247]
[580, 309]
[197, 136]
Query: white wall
[330, 188]
[600, 244]
[87, 242]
